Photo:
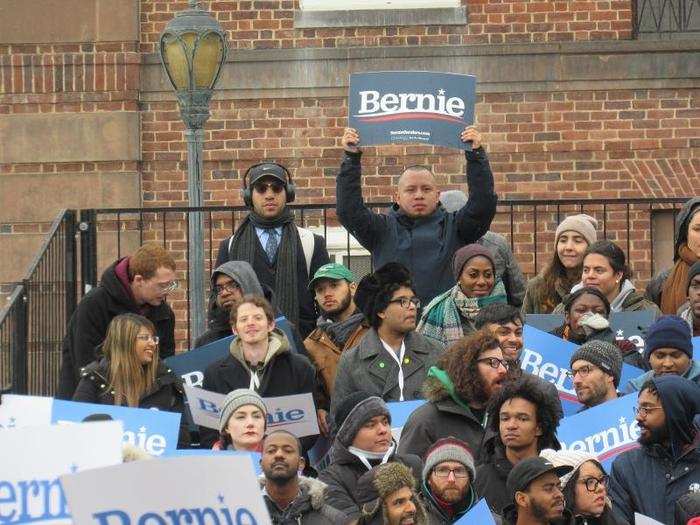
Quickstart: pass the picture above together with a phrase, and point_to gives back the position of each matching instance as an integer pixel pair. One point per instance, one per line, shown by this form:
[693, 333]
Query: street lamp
[193, 49]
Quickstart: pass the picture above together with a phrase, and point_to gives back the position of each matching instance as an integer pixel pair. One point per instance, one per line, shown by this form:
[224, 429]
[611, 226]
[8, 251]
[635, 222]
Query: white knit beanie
[581, 223]
[570, 458]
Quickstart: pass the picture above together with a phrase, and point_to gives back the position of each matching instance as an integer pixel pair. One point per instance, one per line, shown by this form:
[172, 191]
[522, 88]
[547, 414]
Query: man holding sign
[417, 231]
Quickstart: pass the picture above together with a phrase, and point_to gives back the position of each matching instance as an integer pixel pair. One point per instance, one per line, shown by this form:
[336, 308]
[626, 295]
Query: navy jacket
[426, 245]
[650, 479]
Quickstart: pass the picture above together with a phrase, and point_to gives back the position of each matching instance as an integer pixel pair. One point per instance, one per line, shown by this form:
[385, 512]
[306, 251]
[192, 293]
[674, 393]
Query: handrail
[45, 244]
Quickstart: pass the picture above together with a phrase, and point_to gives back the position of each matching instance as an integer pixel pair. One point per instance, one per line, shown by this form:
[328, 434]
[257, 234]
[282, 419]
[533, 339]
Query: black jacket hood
[682, 220]
[680, 399]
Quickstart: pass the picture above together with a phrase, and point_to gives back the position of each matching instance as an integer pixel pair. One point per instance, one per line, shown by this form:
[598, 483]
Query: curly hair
[547, 407]
[460, 363]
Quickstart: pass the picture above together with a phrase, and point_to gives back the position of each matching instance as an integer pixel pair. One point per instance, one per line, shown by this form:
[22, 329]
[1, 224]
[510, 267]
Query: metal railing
[665, 17]
[529, 226]
[34, 323]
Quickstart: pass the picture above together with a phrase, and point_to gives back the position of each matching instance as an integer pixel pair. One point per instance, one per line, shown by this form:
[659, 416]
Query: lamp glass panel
[175, 53]
[207, 60]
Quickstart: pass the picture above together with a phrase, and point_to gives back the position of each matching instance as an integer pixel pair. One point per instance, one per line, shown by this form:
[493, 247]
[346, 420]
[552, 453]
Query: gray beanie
[235, 400]
[354, 411]
[602, 354]
[449, 449]
[581, 223]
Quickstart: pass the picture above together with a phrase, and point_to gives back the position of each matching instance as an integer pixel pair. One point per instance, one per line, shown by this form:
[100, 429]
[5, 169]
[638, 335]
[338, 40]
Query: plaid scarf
[442, 319]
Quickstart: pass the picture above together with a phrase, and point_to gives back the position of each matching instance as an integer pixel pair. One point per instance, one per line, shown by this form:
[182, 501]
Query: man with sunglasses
[650, 479]
[283, 255]
[392, 358]
[139, 284]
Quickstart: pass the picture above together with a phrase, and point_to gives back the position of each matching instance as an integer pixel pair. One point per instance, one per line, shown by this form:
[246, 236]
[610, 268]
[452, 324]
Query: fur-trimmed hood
[434, 390]
[311, 489]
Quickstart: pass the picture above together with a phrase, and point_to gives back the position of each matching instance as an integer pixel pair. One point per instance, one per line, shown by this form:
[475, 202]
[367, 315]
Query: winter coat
[693, 374]
[166, 394]
[368, 367]
[606, 518]
[284, 373]
[510, 517]
[425, 245]
[650, 479]
[439, 418]
[536, 299]
[266, 275]
[490, 480]
[655, 286]
[436, 515]
[343, 474]
[325, 354]
[309, 508]
[507, 267]
[87, 327]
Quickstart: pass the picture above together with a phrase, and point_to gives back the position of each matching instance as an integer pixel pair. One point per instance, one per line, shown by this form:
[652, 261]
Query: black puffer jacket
[88, 326]
[309, 508]
[166, 394]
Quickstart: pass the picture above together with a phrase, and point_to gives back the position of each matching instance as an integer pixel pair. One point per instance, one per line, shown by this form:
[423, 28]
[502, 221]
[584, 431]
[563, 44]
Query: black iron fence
[33, 324]
[666, 17]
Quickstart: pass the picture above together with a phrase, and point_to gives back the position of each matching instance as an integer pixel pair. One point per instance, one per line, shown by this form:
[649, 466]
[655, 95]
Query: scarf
[340, 332]
[365, 456]
[674, 292]
[286, 296]
[441, 320]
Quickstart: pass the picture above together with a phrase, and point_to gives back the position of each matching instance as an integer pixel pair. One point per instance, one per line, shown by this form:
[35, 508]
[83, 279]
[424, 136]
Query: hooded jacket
[424, 245]
[692, 374]
[444, 415]
[653, 290]
[650, 479]
[166, 394]
[87, 327]
[283, 373]
[308, 508]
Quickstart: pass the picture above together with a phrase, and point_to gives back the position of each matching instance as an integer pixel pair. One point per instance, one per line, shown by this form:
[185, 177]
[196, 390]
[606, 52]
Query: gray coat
[370, 368]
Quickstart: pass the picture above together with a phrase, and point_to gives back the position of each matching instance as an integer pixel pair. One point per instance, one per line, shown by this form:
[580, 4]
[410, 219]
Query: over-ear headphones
[274, 169]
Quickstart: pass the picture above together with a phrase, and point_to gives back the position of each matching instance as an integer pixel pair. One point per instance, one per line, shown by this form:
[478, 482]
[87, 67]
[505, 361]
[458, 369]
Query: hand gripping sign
[148, 493]
[399, 107]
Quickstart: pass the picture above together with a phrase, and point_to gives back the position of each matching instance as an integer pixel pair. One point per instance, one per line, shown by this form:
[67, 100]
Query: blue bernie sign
[399, 107]
[605, 430]
[154, 431]
[696, 348]
[254, 456]
[400, 410]
[548, 356]
[479, 513]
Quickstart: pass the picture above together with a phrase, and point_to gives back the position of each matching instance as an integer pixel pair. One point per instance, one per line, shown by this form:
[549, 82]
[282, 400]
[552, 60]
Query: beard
[656, 435]
[344, 304]
[279, 476]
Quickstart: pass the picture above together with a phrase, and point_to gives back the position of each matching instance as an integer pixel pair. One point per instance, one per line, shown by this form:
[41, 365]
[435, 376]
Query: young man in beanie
[595, 371]
[448, 480]
[668, 348]
[417, 232]
[283, 255]
[523, 420]
[651, 478]
[362, 441]
[392, 359]
[691, 312]
[291, 498]
[395, 499]
[534, 491]
[340, 327]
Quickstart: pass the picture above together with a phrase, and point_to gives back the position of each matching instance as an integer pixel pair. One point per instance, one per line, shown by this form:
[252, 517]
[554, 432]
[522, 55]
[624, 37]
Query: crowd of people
[441, 319]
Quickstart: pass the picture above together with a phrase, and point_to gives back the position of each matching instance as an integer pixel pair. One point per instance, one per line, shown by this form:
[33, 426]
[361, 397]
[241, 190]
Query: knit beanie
[602, 354]
[353, 411]
[372, 286]
[692, 272]
[571, 458]
[581, 223]
[449, 449]
[465, 253]
[668, 331]
[235, 400]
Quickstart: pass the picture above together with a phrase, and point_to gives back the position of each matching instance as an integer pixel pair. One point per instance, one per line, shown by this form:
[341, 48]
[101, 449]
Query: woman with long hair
[242, 421]
[130, 372]
[546, 290]
[585, 488]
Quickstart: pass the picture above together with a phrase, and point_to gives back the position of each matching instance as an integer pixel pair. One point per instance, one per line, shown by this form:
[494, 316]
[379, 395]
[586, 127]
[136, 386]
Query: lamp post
[193, 49]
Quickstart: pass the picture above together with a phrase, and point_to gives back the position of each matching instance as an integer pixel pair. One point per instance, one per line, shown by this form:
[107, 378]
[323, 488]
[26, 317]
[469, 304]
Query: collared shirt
[264, 234]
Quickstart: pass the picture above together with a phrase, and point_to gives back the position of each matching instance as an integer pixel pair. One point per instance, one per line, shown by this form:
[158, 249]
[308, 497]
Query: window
[345, 5]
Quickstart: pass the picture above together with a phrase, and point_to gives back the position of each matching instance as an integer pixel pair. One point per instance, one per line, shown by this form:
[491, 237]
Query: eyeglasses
[168, 287]
[145, 338]
[582, 371]
[406, 302]
[443, 472]
[262, 187]
[644, 410]
[231, 287]
[592, 483]
[494, 362]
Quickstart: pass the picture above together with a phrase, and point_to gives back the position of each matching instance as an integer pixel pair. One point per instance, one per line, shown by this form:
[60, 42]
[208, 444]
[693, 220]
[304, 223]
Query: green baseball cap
[333, 271]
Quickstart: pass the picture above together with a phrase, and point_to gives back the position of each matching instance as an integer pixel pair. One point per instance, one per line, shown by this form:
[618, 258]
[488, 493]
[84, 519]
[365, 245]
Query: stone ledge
[443, 16]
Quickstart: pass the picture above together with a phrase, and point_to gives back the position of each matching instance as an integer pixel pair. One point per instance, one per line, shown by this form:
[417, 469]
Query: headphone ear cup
[291, 191]
[247, 197]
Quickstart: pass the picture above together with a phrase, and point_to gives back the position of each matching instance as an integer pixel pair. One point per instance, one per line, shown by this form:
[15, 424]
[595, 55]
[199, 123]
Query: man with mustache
[535, 493]
[339, 327]
[523, 420]
[458, 390]
[650, 479]
[392, 359]
[289, 497]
